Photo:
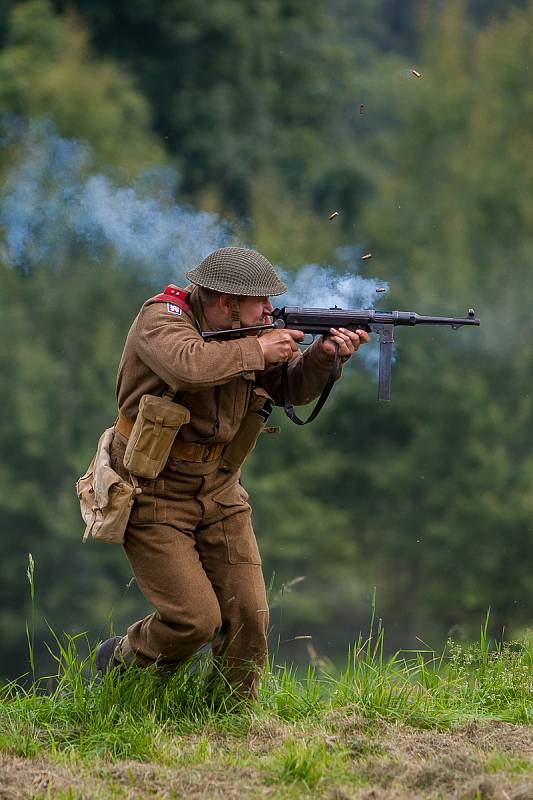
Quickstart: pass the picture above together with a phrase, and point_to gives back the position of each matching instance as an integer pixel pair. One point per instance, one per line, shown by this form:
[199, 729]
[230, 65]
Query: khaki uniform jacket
[213, 379]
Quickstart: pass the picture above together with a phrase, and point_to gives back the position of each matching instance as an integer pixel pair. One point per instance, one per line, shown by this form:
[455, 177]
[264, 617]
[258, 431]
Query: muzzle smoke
[320, 286]
[55, 207]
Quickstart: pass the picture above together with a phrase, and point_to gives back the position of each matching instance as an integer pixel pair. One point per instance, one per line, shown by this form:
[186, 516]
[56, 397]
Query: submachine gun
[318, 321]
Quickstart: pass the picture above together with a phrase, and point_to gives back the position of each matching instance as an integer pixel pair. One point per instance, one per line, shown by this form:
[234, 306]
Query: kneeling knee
[206, 625]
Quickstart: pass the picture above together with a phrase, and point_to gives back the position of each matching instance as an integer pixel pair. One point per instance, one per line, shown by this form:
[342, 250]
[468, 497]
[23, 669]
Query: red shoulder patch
[178, 297]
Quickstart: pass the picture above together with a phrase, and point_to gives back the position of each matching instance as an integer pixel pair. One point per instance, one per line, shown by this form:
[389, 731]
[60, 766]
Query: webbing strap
[186, 451]
[288, 406]
[235, 311]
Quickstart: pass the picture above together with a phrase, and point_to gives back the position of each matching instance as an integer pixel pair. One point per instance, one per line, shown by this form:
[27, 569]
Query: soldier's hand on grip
[280, 345]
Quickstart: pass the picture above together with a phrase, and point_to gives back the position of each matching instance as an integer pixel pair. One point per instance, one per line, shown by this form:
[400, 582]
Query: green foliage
[59, 355]
[302, 737]
[47, 70]
[303, 763]
[427, 498]
[240, 87]
[138, 714]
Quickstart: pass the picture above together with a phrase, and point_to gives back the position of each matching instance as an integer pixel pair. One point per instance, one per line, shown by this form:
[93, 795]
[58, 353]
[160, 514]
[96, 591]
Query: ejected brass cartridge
[416, 73]
[366, 256]
[362, 108]
[381, 289]
[332, 216]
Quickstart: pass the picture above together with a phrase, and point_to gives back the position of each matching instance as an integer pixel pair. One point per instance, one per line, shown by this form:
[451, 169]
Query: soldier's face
[255, 310]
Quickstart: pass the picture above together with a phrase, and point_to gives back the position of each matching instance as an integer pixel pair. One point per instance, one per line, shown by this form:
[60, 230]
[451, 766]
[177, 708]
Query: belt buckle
[207, 452]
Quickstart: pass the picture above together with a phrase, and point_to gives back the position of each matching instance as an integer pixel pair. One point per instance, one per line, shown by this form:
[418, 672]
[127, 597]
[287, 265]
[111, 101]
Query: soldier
[189, 539]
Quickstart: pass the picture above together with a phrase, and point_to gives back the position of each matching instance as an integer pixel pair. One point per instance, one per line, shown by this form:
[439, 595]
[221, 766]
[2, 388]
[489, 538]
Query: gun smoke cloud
[56, 208]
[315, 285]
[53, 207]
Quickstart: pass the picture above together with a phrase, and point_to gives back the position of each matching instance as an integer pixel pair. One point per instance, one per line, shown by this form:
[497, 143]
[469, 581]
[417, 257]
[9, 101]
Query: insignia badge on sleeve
[173, 309]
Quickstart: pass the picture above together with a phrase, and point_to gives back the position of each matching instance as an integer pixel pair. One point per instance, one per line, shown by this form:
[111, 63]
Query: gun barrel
[422, 319]
[320, 320]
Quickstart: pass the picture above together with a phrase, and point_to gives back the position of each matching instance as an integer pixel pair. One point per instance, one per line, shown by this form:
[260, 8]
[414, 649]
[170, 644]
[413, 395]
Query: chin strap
[235, 311]
[288, 406]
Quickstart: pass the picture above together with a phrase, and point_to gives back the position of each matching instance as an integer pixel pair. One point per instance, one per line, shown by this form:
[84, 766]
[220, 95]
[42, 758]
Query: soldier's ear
[224, 302]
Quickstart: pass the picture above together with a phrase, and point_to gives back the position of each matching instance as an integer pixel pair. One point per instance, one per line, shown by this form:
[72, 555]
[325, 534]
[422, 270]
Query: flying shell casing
[366, 256]
[416, 73]
[333, 215]
[381, 289]
[361, 108]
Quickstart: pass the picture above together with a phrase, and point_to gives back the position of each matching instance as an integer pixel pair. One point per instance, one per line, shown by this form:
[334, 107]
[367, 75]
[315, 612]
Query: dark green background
[256, 105]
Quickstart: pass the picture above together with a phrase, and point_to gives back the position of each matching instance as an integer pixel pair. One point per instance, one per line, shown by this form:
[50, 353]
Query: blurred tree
[47, 70]
[430, 496]
[62, 328]
[427, 498]
[485, 11]
[62, 335]
[451, 221]
[255, 85]
[237, 87]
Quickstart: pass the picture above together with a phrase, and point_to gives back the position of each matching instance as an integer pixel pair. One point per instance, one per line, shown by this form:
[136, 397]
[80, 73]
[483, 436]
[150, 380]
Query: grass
[307, 735]
[416, 724]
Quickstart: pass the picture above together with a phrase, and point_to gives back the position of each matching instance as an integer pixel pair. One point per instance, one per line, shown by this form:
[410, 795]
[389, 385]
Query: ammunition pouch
[105, 498]
[253, 423]
[153, 433]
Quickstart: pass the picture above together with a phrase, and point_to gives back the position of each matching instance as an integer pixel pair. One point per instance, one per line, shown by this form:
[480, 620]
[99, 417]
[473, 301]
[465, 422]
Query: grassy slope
[414, 726]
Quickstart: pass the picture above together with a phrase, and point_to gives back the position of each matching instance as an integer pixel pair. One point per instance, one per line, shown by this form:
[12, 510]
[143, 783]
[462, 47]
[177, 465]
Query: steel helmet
[239, 271]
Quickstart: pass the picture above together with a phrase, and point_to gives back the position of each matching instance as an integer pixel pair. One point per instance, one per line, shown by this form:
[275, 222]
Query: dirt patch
[263, 737]
[30, 778]
[452, 764]
[147, 780]
[382, 761]
[23, 779]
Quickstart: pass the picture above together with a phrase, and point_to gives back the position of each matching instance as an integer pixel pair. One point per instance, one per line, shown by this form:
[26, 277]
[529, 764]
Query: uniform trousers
[193, 553]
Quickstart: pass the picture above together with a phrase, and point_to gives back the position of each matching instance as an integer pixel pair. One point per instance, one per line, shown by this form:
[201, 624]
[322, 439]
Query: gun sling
[288, 406]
